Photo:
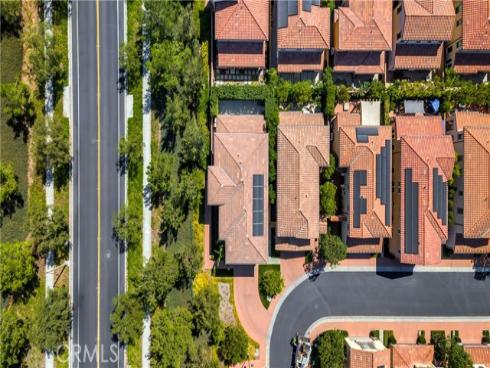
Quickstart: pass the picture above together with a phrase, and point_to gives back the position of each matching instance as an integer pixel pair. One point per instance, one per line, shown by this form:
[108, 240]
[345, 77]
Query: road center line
[98, 179]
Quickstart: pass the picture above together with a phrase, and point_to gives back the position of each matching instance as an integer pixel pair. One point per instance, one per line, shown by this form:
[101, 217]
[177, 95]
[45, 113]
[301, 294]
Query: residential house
[362, 36]
[420, 28]
[303, 145]
[302, 33]
[412, 356]
[363, 148]
[471, 136]
[423, 159]
[480, 355]
[238, 183]
[241, 33]
[367, 353]
[469, 50]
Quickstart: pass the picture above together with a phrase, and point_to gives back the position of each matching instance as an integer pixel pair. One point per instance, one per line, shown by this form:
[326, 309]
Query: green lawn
[13, 149]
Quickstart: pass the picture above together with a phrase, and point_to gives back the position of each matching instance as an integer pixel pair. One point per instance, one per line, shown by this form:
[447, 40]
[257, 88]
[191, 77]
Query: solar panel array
[411, 214]
[258, 205]
[360, 203]
[363, 133]
[285, 8]
[439, 196]
[383, 179]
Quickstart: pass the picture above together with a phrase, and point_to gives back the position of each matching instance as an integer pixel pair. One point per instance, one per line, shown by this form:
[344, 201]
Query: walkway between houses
[145, 349]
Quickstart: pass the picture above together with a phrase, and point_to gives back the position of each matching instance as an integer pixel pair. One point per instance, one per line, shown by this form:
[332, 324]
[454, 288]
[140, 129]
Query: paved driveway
[429, 294]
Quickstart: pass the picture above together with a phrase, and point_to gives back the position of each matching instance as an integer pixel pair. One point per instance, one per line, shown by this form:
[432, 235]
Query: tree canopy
[52, 322]
[13, 337]
[18, 271]
[234, 347]
[10, 196]
[205, 309]
[159, 277]
[50, 233]
[332, 249]
[271, 282]
[171, 339]
[329, 349]
[127, 225]
[328, 203]
[457, 357]
[18, 107]
[127, 318]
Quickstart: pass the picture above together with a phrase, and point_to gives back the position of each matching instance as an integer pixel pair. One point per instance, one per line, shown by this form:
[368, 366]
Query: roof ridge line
[255, 19]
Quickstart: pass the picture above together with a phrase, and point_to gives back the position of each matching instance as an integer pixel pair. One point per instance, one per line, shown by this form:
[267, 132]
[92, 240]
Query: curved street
[421, 294]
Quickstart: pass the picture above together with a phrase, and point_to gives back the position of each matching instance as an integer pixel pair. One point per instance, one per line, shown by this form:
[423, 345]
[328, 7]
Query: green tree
[47, 59]
[18, 107]
[205, 309]
[457, 357]
[342, 94]
[13, 339]
[51, 325]
[160, 179]
[329, 171]
[127, 225]
[127, 318]
[175, 118]
[171, 339]
[18, 271]
[332, 249]
[329, 349]
[271, 283]
[172, 217]
[130, 153]
[158, 278]
[189, 261]
[130, 62]
[328, 203]
[438, 339]
[54, 151]
[191, 151]
[10, 16]
[302, 93]
[234, 347]
[330, 92]
[190, 186]
[51, 234]
[10, 197]
[203, 355]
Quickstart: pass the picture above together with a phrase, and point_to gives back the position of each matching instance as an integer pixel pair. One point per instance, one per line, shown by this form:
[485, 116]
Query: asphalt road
[94, 287]
[369, 294]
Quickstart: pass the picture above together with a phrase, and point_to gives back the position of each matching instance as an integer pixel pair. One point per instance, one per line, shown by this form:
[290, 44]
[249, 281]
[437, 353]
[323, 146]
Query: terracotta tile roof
[364, 246]
[302, 149]
[408, 355]
[365, 25]
[239, 153]
[297, 61]
[418, 125]
[422, 154]
[428, 20]
[477, 181]
[419, 57]
[241, 54]
[471, 63]
[480, 354]
[307, 30]
[356, 155]
[359, 62]
[367, 353]
[476, 25]
[471, 246]
[470, 118]
[242, 20]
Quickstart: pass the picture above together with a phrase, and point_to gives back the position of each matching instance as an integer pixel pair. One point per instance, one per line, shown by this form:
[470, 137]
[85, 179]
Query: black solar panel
[363, 133]
[292, 7]
[411, 214]
[439, 196]
[307, 5]
[383, 179]
[360, 203]
[258, 205]
[282, 14]
[316, 2]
